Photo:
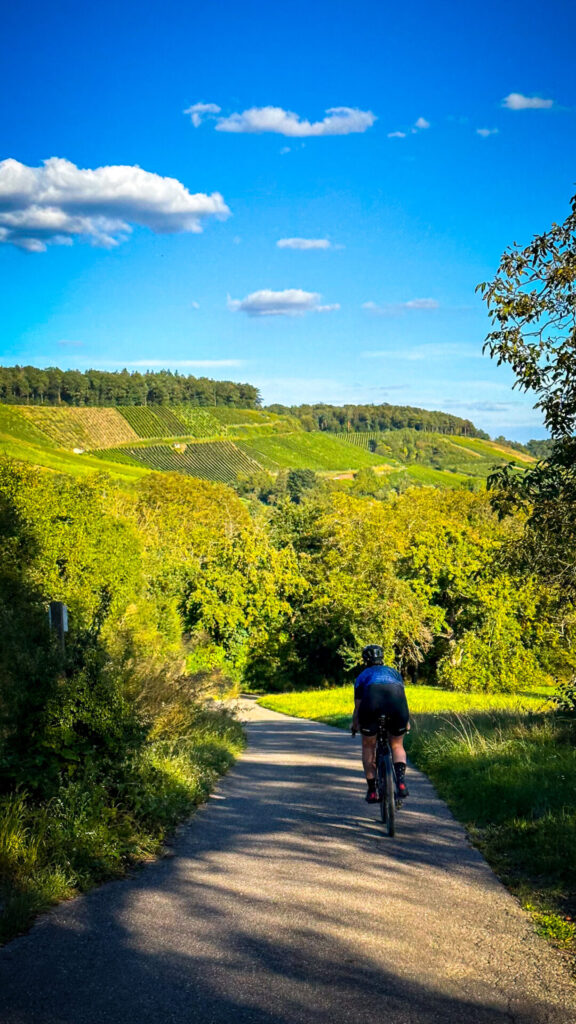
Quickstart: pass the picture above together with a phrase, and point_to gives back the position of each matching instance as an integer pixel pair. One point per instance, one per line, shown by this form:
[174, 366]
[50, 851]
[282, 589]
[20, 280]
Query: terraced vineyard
[210, 460]
[218, 443]
[157, 422]
[199, 422]
[236, 417]
[317, 451]
[360, 438]
[80, 428]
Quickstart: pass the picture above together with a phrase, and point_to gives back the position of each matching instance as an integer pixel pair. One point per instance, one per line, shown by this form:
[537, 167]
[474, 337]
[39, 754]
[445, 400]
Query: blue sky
[348, 133]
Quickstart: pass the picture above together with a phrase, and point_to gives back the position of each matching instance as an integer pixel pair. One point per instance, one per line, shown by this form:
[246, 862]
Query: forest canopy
[359, 418]
[23, 385]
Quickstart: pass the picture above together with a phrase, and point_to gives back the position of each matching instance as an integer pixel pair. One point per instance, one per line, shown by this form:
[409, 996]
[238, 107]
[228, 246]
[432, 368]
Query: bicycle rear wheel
[388, 805]
[381, 786]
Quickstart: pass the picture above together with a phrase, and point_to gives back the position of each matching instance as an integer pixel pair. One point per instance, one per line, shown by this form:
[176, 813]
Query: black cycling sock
[371, 785]
[400, 769]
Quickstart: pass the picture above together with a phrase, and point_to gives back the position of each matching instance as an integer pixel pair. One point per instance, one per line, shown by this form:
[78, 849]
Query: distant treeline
[27, 385]
[359, 418]
[540, 449]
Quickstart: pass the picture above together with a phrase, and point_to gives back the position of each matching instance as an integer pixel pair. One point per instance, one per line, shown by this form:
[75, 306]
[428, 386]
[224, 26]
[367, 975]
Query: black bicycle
[386, 785]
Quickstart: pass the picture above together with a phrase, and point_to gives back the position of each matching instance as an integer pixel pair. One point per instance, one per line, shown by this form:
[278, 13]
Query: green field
[60, 461]
[434, 477]
[15, 426]
[318, 451]
[334, 706]
[490, 450]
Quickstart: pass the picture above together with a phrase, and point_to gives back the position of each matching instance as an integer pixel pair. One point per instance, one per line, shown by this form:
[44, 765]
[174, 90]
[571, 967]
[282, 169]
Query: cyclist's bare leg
[397, 747]
[369, 756]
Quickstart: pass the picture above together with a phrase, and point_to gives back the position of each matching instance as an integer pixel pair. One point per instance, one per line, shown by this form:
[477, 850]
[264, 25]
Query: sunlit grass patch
[335, 706]
[560, 930]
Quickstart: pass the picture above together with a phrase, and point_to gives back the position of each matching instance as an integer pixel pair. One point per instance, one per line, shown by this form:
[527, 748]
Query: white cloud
[284, 150]
[58, 202]
[516, 101]
[194, 304]
[421, 304]
[291, 302]
[486, 132]
[427, 352]
[481, 406]
[257, 120]
[395, 308]
[304, 243]
[419, 125]
[200, 111]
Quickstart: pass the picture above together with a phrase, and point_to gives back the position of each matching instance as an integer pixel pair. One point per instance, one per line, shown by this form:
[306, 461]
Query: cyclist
[378, 691]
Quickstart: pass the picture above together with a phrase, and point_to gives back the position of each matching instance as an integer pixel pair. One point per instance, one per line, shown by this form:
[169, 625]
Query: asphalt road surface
[284, 903]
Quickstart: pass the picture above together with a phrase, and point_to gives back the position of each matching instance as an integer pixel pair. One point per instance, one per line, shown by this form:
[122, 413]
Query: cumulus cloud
[257, 120]
[59, 202]
[486, 132]
[516, 101]
[419, 125]
[304, 243]
[394, 308]
[290, 302]
[200, 111]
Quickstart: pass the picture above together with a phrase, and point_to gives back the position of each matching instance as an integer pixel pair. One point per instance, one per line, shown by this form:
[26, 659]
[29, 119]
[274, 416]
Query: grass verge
[93, 831]
[506, 766]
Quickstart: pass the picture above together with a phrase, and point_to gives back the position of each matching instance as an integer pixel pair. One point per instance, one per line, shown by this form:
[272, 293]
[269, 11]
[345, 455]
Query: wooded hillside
[377, 417]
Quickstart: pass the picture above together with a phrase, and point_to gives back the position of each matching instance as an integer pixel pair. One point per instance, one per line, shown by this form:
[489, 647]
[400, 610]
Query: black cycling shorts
[384, 699]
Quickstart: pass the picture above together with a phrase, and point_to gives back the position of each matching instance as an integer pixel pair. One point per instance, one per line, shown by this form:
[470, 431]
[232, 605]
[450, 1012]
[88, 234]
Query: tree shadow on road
[274, 911]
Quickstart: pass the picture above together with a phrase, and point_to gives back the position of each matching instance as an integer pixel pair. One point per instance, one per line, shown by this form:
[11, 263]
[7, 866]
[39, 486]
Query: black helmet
[373, 655]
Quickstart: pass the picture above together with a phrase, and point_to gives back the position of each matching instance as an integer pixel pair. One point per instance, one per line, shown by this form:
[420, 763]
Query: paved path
[285, 904]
